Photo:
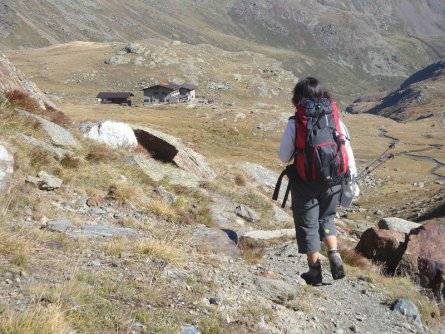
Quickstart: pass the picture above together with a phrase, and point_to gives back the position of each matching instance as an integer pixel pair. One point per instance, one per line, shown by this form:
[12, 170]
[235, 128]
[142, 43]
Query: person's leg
[306, 211]
[328, 204]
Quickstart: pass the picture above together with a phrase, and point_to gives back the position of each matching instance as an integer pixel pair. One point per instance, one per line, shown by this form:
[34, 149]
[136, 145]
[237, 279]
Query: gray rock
[265, 238]
[6, 166]
[59, 153]
[265, 178]
[189, 330]
[59, 135]
[118, 60]
[246, 213]
[223, 213]
[216, 241]
[158, 171]
[278, 291]
[167, 196]
[281, 216]
[45, 181]
[397, 224]
[170, 149]
[134, 48]
[105, 231]
[59, 225]
[407, 308]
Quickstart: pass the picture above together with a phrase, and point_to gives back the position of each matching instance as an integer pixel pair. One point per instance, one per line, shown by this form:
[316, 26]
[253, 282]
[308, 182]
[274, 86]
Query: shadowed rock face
[12, 78]
[420, 255]
[383, 246]
[159, 148]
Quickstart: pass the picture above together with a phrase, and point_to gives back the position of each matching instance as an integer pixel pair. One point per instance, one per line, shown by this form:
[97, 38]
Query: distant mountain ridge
[354, 45]
[420, 96]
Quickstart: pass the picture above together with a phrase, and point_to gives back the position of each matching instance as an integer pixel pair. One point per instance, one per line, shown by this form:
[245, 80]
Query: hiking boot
[313, 276]
[336, 264]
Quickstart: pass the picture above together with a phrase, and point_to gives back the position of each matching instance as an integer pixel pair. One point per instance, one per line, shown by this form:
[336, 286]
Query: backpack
[320, 152]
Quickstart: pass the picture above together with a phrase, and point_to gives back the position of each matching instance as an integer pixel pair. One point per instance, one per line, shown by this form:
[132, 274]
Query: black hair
[308, 88]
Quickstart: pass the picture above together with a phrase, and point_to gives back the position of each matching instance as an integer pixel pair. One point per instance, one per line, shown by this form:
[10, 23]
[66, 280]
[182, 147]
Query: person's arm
[351, 161]
[287, 145]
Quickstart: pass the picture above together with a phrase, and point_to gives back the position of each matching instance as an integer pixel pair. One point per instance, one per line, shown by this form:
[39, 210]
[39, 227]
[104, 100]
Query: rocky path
[343, 306]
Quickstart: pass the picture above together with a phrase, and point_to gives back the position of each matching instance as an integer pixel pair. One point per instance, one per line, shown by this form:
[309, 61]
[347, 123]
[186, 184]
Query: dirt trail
[342, 306]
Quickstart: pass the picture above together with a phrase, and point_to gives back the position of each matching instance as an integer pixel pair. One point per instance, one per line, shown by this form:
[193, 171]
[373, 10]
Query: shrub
[23, 100]
[100, 153]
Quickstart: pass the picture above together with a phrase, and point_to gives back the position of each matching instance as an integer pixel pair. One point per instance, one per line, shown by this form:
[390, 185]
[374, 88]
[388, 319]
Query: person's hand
[356, 192]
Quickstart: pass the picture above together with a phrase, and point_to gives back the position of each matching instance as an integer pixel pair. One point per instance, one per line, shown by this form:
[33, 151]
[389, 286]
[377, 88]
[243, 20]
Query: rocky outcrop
[424, 258]
[59, 153]
[6, 166]
[397, 224]
[167, 148]
[59, 135]
[45, 181]
[382, 246]
[12, 78]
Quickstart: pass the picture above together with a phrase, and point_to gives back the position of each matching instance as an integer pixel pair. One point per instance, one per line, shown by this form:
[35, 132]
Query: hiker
[319, 143]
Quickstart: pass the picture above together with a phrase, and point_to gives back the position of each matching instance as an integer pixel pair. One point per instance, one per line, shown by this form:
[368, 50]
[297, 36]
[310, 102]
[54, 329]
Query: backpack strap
[286, 195]
[278, 185]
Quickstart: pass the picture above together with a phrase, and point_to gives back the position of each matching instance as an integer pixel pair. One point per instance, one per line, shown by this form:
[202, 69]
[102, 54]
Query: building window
[156, 93]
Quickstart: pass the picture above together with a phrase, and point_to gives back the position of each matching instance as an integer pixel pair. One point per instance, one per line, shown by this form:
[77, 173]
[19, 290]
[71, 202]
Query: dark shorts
[314, 208]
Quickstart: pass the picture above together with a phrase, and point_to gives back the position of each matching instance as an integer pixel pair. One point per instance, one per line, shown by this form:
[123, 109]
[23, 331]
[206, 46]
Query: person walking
[319, 143]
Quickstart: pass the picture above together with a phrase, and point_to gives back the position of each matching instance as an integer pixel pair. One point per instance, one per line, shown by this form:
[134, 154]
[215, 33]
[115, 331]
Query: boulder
[408, 309]
[189, 330]
[45, 181]
[424, 258]
[246, 213]
[59, 135]
[167, 148]
[261, 238]
[12, 78]
[397, 224]
[59, 225]
[215, 241]
[382, 246]
[114, 134]
[58, 152]
[6, 166]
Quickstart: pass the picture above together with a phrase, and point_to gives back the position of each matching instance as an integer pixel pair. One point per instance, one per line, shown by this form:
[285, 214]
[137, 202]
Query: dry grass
[163, 209]
[36, 320]
[398, 287]
[14, 247]
[21, 99]
[170, 252]
[100, 153]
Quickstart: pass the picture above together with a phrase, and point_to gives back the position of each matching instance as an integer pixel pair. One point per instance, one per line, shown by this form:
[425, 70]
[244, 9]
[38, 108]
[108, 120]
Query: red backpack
[320, 153]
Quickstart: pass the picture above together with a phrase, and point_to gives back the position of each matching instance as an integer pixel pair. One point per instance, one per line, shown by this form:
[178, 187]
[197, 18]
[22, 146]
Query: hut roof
[114, 95]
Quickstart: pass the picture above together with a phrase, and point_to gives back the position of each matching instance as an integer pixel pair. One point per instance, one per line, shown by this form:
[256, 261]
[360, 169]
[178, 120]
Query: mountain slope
[420, 96]
[346, 41]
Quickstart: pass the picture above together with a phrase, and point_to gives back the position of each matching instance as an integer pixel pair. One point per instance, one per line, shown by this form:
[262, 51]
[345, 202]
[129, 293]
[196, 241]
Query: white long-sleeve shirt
[287, 145]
